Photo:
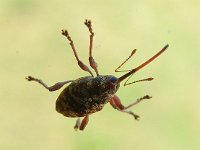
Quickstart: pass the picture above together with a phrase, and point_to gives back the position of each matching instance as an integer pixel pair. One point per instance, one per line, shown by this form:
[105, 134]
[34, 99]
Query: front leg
[55, 87]
[116, 103]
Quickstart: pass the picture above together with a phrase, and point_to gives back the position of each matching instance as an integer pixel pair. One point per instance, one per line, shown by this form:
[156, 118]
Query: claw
[146, 97]
[135, 116]
[88, 23]
[29, 78]
[65, 32]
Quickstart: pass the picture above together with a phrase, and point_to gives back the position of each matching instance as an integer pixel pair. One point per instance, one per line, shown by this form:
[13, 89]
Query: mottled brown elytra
[87, 95]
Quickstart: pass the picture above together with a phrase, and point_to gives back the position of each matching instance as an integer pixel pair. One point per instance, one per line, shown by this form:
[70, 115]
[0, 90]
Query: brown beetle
[89, 94]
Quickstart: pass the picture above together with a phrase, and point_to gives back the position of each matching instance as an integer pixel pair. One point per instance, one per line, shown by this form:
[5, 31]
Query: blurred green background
[32, 44]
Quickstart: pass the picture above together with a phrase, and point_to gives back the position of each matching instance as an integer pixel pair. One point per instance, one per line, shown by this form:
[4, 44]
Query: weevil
[87, 95]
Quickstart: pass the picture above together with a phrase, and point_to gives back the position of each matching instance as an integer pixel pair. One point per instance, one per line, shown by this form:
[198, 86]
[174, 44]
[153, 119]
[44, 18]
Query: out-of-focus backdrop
[31, 44]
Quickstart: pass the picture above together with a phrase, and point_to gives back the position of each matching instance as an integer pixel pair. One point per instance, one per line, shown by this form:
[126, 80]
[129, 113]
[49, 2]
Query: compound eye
[113, 79]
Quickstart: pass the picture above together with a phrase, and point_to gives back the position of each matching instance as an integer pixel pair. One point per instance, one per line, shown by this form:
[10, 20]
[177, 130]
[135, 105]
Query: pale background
[31, 44]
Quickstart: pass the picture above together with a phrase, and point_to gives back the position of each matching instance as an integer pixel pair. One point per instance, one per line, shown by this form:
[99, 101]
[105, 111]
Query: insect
[87, 95]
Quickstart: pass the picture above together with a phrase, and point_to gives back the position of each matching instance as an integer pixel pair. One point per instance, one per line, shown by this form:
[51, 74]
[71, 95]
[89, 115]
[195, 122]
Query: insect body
[86, 95]
[89, 94]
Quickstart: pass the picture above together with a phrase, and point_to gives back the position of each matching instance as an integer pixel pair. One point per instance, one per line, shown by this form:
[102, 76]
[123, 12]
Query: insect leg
[93, 64]
[84, 122]
[78, 123]
[116, 103]
[138, 101]
[80, 63]
[55, 87]
[81, 124]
